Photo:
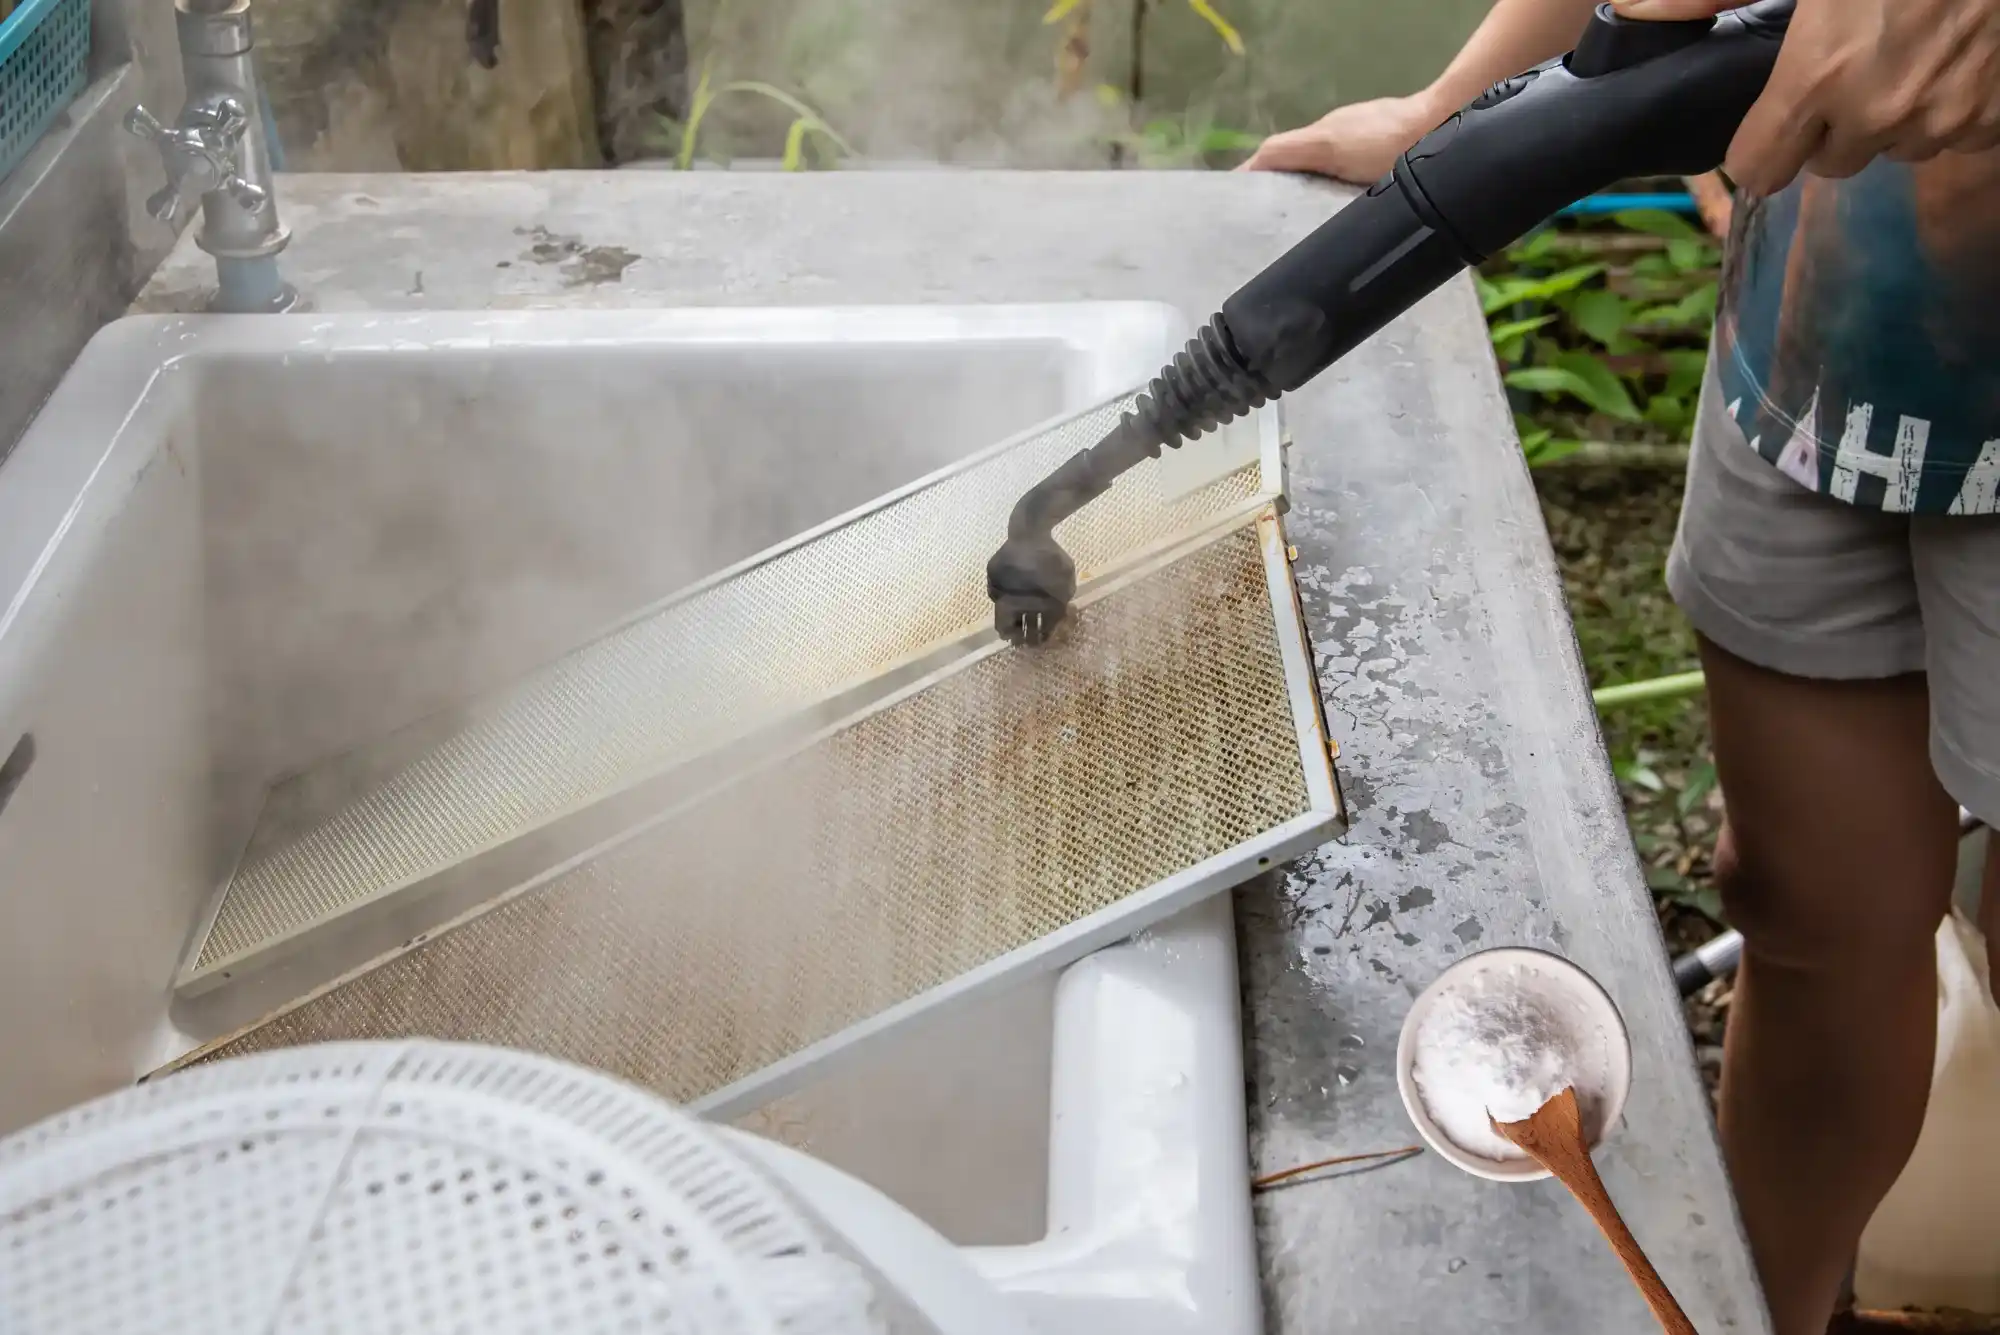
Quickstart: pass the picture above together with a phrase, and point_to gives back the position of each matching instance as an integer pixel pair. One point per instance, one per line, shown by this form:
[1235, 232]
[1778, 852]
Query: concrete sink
[231, 547]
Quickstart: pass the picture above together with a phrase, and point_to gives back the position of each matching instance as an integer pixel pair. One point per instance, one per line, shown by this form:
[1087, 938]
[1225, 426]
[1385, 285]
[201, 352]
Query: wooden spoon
[1553, 1138]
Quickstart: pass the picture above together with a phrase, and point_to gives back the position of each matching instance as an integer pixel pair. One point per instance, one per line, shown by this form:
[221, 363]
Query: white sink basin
[231, 547]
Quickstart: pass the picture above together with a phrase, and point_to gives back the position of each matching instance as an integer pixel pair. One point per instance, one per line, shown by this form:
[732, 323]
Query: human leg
[1838, 860]
[1827, 1057]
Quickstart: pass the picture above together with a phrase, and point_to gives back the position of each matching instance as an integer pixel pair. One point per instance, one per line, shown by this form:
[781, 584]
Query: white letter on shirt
[1901, 470]
[1979, 494]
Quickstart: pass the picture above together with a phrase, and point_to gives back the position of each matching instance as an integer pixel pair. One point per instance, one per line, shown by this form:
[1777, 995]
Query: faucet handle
[222, 123]
[200, 155]
[144, 124]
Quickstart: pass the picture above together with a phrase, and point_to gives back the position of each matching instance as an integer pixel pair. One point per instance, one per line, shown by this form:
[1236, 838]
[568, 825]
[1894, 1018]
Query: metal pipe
[1709, 961]
[218, 151]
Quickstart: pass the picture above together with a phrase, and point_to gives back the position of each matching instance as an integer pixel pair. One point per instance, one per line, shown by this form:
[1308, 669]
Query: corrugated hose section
[692, 675]
[1016, 795]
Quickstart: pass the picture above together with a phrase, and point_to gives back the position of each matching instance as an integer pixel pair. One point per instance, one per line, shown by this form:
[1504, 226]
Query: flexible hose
[1207, 384]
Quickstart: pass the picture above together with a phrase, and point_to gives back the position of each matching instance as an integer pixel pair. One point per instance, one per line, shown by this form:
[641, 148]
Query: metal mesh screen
[1012, 798]
[692, 675]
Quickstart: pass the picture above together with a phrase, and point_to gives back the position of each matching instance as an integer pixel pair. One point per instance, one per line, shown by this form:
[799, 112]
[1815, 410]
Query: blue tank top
[1858, 344]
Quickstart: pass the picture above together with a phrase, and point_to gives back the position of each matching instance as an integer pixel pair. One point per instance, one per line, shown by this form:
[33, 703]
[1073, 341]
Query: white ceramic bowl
[1608, 1055]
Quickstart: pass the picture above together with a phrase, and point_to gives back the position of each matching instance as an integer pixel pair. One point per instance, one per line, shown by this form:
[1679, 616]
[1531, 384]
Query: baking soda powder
[1501, 1044]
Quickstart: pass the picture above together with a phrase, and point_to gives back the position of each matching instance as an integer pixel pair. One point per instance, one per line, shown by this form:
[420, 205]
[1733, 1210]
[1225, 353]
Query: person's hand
[1861, 79]
[1357, 142]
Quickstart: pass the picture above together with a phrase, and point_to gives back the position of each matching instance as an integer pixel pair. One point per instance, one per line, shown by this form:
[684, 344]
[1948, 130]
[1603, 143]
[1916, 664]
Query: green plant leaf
[1545, 447]
[1519, 290]
[1700, 783]
[791, 103]
[1601, 315]
[1110, 95]
[1688, 256]
[1667, 882]
[1510, 339]
[795, 145]
[697, 108]
[1654, 278]
[1676, 888]
[1534, 248]
[1640, 773]
[1660, 223]
[1581, 376]
[1544, 380]
[805, 120]
[1223, 28]
[1060, 10]
[1516, 330]
[1685, 368]
[1608, 394]
[1696, 308]
[1216, 139]
[664, 134]
[1540, 445]
[1670, 412]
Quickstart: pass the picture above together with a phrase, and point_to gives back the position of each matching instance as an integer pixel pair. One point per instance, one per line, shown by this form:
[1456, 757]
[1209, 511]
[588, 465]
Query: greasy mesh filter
[1015, 796]
[691, 675]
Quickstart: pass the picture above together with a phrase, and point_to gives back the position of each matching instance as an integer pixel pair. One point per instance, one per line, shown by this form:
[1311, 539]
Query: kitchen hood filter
[519, 778]
[1011, 810]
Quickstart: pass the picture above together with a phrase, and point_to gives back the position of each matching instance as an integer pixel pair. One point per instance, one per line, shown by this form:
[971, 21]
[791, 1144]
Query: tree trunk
[639, 63]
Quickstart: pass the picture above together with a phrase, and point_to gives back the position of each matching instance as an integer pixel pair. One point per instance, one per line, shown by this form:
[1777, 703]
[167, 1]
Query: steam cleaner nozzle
[1031, 579]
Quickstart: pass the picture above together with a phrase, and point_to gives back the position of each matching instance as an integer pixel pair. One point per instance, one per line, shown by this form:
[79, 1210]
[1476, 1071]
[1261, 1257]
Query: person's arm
[1362, 140]
[1515, 35]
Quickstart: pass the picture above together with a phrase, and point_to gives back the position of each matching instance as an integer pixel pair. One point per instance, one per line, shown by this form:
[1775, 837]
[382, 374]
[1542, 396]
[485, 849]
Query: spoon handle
[1579, 1174]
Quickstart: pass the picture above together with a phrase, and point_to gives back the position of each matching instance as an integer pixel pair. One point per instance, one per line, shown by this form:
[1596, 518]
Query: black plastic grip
[1492, 173]
[1611, 42]
[1519, 153]
[1357, 271]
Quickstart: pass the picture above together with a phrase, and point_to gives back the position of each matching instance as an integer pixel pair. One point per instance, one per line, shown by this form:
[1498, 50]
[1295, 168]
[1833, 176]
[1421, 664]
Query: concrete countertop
[1483, 809]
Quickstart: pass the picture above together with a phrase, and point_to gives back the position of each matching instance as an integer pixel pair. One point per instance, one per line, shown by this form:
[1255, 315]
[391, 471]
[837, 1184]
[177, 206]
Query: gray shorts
[1813, 587]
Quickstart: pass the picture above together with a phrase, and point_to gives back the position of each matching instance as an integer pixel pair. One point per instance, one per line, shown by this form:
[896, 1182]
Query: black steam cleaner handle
[1633, 99]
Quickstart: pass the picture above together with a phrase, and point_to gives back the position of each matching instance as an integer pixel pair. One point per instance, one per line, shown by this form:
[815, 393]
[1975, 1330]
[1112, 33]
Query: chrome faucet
[216, 152]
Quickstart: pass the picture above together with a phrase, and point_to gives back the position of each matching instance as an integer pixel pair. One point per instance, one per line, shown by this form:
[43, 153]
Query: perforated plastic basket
[44, 45]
